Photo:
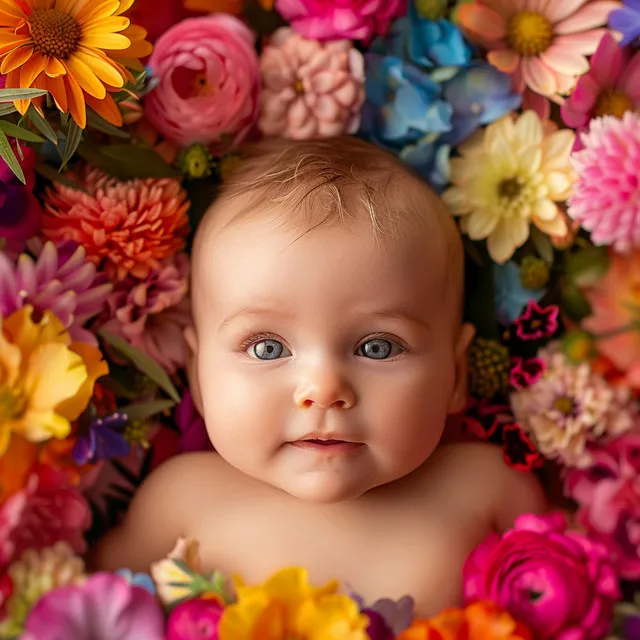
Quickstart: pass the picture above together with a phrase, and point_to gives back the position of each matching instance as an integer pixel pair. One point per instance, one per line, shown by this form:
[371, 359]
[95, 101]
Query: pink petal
[607, 62]
[558, 10]
[594, 14]
[484, 22]
[630, 80]
[568, 63]
[585, 43]
[538, 76]
[506, 60]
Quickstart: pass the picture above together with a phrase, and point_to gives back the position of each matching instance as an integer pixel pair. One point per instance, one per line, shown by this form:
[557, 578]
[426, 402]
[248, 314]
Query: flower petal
[506, 60]
[565, 61]
[538, 76]
[592, 15]
[557, 10]
[482, 21]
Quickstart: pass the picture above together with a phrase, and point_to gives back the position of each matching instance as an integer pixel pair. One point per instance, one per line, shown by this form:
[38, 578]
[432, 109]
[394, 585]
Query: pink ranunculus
[310, 89]
[49, 509]
[608, 493]
[195, 619]
[209, 82]
[104, 606]
[560, 584]
[337, 19]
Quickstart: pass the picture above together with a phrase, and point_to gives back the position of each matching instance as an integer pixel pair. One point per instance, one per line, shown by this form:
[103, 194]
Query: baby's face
[326, 364]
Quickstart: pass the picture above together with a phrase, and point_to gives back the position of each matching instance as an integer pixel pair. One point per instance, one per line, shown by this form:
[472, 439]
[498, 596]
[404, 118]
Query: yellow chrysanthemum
[286, 607]
[74, 49]
[46, 381]
[509, 175]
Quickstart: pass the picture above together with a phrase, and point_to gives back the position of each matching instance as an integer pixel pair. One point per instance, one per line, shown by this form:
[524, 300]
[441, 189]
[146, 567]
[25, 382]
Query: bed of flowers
[118, 119]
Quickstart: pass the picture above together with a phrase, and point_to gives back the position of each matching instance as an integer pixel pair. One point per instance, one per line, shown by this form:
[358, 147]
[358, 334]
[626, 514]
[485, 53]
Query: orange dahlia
[74, 49]
[126, 227]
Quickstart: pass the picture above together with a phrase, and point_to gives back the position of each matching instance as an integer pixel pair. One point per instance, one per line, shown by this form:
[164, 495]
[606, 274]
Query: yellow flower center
[137, 433]
[612, 102]
[54, 32]
[299, 87]
[432, 9]
[529, 33]
[12, 405]
[564, 405]
[510, 188]
[202, 86]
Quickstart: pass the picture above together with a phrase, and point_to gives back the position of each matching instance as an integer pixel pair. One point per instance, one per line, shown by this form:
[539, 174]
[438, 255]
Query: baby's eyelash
[385, 336]
[257, 337]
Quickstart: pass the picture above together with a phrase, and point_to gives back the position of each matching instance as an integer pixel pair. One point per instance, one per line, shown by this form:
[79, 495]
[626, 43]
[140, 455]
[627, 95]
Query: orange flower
[132, 226]
[478, 621]
[75, 50]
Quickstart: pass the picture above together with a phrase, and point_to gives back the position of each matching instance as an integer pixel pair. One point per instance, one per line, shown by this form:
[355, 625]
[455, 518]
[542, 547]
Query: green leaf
[6, 109]
[100, 124]
[42, 125]
[139, 162]
[49, 172]
[74, 137]
[587, 266]
[10, 95]
[10, 157]
[143, 362]
[542, 243]
[21, 133]
[145, 410]
[574, 304]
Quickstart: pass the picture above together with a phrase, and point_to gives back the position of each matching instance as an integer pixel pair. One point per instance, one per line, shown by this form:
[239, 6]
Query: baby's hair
[315, 183]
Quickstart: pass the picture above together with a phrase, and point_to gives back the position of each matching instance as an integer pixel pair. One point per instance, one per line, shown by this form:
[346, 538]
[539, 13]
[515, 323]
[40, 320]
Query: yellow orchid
[46, 381]
[287, 606]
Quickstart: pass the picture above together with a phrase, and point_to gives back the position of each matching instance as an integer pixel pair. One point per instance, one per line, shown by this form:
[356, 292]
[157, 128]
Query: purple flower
[626, 20]
[195, 619]
[191, 425]
[104, 607]
[59, 279]
[387, 617]
[101, 439]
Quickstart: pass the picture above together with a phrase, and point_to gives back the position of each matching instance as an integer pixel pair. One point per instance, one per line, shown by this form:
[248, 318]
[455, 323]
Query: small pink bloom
[310, 89]
[525, 372]
[209, 82]
[49, 509]
[608, 493]
[332, 20]
[537, 322]
[558, 583]
[195, 619]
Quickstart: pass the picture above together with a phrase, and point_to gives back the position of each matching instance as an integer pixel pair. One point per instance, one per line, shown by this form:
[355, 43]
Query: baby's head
[328, 344]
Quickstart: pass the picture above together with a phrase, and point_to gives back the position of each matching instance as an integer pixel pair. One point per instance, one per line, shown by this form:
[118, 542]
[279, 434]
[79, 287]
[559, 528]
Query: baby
[328, 351]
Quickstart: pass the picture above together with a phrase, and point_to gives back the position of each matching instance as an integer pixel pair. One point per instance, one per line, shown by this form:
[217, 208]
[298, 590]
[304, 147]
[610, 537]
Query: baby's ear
[192, 367]
[458, 400]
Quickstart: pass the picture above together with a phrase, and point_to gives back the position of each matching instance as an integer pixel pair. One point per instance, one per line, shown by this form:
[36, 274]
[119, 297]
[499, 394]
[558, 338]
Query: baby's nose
[325, 389]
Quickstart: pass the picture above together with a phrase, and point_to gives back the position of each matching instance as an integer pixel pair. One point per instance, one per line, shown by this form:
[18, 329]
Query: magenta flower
[60, 279]
[610, 87]
[104, 607]
[608, 493]
[209, 82]
[152, 314]
[558, 583]
[310, 89]
[606, 196]
[537, 322]
[192, 427]
[525, 372]
[350, 19]
[19, 209]
[195, 619]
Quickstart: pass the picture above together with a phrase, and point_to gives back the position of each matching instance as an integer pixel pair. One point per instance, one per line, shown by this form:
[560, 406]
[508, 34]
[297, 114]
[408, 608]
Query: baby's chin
[323, 487]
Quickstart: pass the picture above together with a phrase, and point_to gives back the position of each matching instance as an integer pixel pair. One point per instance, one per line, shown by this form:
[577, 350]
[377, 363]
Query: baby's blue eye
[268, 350]
[377, 349]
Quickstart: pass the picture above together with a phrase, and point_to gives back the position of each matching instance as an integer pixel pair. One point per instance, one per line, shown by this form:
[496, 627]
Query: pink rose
[46, 511]
[560, 584]
[209, 82]
[335, 19]
[608, 493]
[310, 89]
[195, 619]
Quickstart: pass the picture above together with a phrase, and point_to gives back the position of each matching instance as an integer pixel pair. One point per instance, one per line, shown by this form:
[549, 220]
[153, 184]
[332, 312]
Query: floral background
[119, 119]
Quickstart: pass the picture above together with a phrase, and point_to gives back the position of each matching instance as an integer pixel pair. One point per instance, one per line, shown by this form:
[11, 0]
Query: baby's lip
[325, 438]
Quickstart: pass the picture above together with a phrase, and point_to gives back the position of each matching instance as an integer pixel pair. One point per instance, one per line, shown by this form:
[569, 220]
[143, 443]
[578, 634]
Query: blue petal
[510, 297]
[627, 22]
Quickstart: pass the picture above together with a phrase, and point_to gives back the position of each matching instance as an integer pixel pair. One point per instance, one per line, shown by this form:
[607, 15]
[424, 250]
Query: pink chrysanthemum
[60, 279]
[544, 43]
[570, 406]
[606, 196]
[128, 226]
[152, 314]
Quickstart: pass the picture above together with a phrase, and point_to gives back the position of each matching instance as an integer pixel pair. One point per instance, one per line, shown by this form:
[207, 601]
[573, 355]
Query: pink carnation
[152, 314]
[606, 196]
[49, 509]
[608, 493]
[559, 583]
[310, 89]
[350, 19]
[209, 82]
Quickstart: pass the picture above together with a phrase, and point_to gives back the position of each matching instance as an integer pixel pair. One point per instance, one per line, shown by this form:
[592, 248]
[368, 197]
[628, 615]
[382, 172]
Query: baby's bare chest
[379, 551]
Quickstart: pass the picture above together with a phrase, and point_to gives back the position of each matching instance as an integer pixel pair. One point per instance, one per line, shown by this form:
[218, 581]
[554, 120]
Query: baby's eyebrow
[398, 313]
[252, 312]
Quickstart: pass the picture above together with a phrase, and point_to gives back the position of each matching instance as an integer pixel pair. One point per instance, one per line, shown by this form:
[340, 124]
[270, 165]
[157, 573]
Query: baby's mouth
[327, 445]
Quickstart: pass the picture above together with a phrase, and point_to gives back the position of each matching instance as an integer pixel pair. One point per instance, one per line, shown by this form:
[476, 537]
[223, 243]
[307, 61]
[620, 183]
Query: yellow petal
[12, 9]
[75, 96]
[15, 59]
[107, 109]
[28, 335]
[38, 426]
[115, 41]
[10, 361]
[125, 5]
[54, 67]
[31, 69]
[101, 66]
[5, 439]
[96, 10]
[105, 25]
[87, 80]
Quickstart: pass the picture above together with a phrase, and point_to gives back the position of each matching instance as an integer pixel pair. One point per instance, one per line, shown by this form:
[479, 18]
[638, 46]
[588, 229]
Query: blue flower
[478, 94]
[403, 103]
[101, 439]
[143, 580]
[626, 20]
[510, 297]
[430, 159]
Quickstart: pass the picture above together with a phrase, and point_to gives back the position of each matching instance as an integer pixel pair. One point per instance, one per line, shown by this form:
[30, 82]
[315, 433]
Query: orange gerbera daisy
[74, 49]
